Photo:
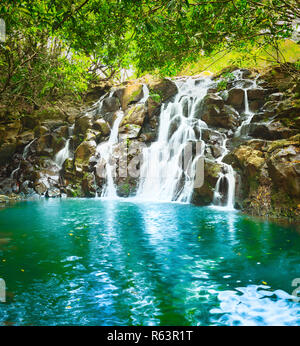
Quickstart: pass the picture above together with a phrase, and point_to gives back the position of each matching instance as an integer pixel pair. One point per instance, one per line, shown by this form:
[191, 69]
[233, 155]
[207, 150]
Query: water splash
[162, 176]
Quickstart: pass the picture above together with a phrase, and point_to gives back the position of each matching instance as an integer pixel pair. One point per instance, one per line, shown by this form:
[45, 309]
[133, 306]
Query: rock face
[204, 194]
[266, 158]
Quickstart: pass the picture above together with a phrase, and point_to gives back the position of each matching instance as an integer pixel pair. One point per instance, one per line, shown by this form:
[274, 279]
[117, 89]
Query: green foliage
[125, 188]
[58, 47]
[155, 97]
[222, 85]
[225, 79]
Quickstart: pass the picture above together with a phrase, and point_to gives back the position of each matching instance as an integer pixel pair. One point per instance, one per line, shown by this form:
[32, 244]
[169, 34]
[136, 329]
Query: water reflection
[94, 262]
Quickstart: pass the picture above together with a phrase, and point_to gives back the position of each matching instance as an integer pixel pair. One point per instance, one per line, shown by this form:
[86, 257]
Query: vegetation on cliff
[56, 48]
[60, 56]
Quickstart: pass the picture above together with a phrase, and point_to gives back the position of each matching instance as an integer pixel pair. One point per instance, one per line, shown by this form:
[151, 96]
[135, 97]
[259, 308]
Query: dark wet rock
[226, 117]
[204, 195]
[164, 88]
[6, 152]
[102, 126]
[276, 97]
[85, 151]
[271, 131]
[236, 98]
[82, 124]
[256, 94]
[29, 122]
[109, 105]
[153, 107]
[62, 131]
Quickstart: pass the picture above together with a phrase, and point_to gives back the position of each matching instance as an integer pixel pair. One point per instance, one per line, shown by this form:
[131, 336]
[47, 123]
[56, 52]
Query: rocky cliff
[53, 152]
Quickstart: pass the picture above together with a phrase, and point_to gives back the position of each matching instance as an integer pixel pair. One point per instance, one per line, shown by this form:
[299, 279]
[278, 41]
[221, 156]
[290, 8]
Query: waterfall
[242, 129]
[64, 153]
[146, 93]
[26, 149]
[228, 177]
[162, 177]
[169, 167]
[106, 151]
[24, 157]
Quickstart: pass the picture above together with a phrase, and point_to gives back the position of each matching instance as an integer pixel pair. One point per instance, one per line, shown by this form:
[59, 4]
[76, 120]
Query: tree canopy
[64, 44]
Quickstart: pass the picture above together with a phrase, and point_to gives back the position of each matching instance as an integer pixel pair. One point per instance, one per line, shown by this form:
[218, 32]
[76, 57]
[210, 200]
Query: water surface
[96, 262]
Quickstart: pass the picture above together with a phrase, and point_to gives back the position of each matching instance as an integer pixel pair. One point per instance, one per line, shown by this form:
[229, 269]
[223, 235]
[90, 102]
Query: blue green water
[94, 262]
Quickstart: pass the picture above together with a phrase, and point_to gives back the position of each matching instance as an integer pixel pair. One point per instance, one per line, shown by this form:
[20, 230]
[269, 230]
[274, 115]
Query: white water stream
[167, 172]
[64, 153]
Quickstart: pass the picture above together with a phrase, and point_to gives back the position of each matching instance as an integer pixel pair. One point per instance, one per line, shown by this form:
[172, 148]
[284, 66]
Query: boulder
[9, 132]
[164, 88]
[247, 159]
[53, 193]
[134, 115]
[271, 131]
[110, 104]
[62, 131]
[44, 145]
[153, 107]
[226, 117]
[40, 130]
[204, 194]
[84, 151]
[102, 126]
[132, 93]
[6, 152]
[93, 135]
[276, 97]
[213, 99]
[40, 188]
[82, 124]
[129, 131]
[284, 169]
[52, 125]
[256, 94]
[29, 122]
[236, 98]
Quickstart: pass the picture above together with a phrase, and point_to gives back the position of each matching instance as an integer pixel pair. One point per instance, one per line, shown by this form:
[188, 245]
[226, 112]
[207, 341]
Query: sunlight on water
[119, 262]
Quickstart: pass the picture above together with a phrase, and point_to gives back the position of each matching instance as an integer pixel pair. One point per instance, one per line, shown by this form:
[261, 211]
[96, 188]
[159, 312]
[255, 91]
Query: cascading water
[252, 84]
[106, 150]
[227, 177]
[24, 157]
[64, 153]
[162, 176]
[167, 173]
